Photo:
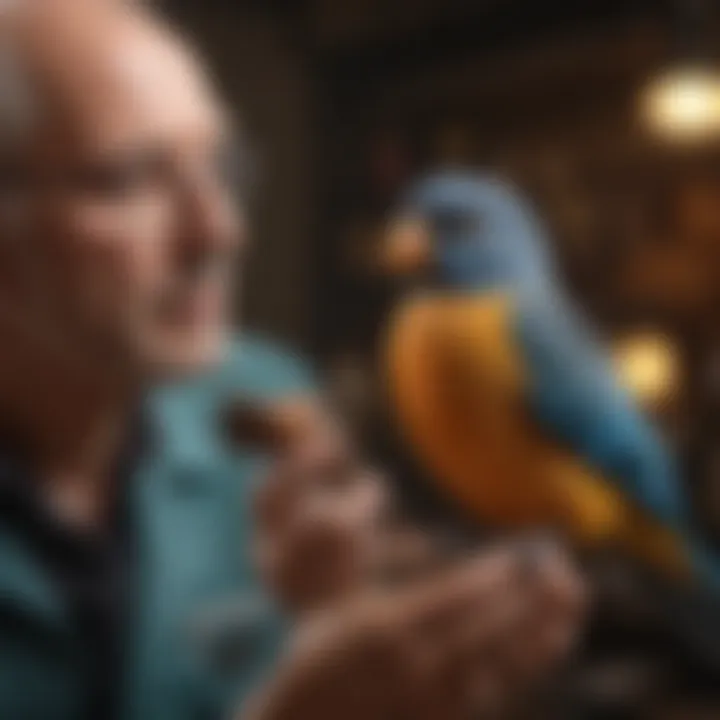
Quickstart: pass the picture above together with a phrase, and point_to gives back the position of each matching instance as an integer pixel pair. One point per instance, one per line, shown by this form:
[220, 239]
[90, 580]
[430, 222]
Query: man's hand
[319, 519]
[448, 643]
[450, 647]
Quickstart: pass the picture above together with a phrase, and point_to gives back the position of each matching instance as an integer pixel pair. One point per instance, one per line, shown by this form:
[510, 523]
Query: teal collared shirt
[200, 633]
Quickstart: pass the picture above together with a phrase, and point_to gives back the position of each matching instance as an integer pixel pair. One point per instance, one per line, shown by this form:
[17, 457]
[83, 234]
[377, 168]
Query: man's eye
[119, 177]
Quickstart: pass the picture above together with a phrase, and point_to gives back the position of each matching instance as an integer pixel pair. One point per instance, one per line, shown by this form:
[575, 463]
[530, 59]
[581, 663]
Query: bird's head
[468, 231]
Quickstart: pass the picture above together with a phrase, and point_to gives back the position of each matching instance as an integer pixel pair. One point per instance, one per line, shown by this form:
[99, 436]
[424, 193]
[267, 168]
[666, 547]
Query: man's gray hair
[17, 121]
[16, 111]
[16, 104]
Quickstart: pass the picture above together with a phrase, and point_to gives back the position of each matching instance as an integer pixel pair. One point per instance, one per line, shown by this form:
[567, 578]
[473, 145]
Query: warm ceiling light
[684, 104]
[649, 366]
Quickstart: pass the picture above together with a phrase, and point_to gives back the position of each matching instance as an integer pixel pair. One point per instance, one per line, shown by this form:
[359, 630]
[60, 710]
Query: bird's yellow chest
[458, 386]
[455, 384]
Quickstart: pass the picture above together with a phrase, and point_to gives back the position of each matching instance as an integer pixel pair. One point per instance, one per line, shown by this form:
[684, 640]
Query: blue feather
[576, 400]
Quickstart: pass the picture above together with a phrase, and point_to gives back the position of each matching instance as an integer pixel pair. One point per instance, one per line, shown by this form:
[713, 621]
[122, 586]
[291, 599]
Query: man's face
[135, 228]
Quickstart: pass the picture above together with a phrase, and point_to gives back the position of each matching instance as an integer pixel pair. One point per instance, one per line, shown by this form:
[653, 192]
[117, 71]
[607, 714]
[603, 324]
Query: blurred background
[606, 112]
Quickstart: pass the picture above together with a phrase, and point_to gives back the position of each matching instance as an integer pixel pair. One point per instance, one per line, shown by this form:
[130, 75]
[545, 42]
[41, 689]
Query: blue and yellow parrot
[503, 394]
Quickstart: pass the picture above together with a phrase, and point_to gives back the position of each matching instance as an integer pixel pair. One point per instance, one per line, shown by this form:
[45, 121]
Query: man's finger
[447, 595]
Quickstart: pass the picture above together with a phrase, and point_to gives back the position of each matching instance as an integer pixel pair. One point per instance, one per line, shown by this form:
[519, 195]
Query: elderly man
[121, 528]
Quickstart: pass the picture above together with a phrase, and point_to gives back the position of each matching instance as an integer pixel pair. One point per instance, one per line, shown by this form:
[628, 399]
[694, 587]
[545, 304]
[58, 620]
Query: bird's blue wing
[575, 398]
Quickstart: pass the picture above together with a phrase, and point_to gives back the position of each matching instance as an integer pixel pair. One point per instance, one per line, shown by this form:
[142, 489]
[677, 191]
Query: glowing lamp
[684, 104]
[649, 366]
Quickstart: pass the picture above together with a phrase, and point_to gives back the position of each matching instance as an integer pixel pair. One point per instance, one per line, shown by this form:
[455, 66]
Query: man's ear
[14, 201]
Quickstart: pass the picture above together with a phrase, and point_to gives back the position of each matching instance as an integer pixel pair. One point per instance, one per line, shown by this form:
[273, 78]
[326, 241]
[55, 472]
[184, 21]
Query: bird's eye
[455, 224]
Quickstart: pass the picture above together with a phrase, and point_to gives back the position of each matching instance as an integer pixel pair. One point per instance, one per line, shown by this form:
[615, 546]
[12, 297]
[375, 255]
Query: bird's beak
[406, 247]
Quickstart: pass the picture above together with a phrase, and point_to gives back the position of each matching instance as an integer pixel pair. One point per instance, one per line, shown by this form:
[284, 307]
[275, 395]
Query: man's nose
[211, 219]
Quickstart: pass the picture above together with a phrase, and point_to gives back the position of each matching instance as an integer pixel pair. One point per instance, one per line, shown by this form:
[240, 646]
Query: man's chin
[187, 358]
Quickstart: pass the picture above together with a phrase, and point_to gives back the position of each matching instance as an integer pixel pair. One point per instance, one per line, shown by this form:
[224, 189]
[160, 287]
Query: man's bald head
[30, 35]
[117, 141]
[73, 59]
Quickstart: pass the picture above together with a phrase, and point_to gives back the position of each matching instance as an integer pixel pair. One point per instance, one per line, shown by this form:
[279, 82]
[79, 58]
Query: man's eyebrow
[128, 154]
[104, 152]
[108, 167]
